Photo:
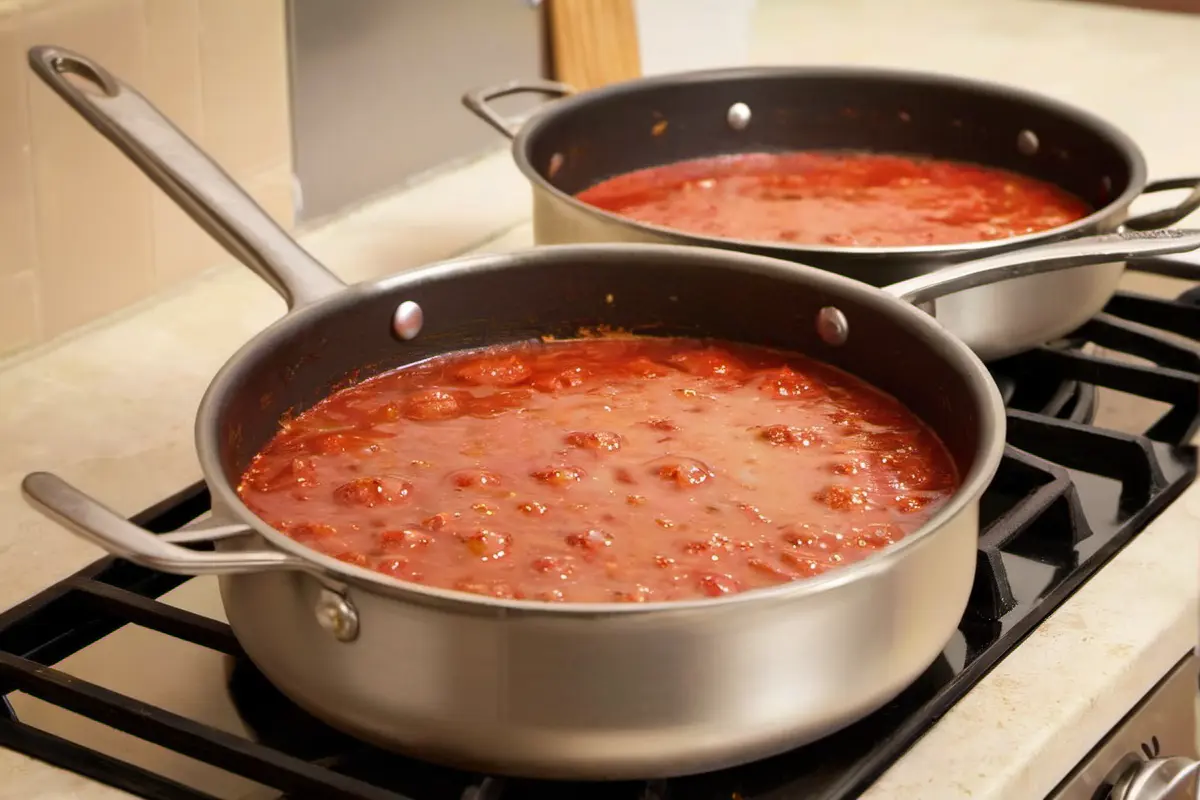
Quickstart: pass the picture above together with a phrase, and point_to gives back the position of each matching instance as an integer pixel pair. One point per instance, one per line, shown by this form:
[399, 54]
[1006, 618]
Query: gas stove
[132, 677]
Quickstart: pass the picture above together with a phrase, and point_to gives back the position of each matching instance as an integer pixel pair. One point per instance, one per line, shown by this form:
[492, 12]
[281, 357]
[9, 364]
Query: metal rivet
[488, 789]
[336, 615]
[832, 326]
[738, 116]
[1027, 143]
[408, 319]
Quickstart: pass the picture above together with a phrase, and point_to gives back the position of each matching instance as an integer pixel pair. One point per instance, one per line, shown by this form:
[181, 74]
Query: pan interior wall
[303, 359]
[607, 133]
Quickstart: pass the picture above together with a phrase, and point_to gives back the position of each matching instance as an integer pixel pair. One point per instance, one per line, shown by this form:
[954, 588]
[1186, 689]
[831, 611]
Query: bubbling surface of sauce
[837, 199]
[597, 470]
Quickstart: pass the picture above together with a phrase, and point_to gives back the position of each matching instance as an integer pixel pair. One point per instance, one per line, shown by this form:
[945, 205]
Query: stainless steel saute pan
[573, 143]
[562, 690]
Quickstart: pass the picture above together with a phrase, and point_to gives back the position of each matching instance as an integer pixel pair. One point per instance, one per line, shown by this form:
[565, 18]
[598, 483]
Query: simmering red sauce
[837, 198]
[611, 469]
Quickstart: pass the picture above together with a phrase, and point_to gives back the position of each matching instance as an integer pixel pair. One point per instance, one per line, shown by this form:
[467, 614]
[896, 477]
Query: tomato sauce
[607, 469]
[837, 198]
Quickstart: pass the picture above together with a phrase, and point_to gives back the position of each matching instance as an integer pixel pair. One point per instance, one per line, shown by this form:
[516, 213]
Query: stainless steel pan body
[573, 143]
[570, 690]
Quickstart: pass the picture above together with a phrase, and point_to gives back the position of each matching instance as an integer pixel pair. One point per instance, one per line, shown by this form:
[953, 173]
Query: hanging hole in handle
[83, 76]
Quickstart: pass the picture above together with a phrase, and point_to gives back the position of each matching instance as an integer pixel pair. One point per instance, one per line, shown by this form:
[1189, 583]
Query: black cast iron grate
[1067, 497]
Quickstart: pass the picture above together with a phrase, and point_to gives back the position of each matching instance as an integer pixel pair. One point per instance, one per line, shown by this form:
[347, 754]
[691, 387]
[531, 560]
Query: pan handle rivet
[738, 116]
[407, 320]
[1027, 143]
[336, 615]
[832, 326]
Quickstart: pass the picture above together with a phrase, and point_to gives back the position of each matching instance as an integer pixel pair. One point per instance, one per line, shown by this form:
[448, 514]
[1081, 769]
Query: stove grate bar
[172, 513]
[1177, 426]
[72, 757]
[1176, 316]
[1138, 339]
[51, 621]
[1047, 491]
[1123, 457]
[65, 619]
[54, 623]
[187, 737]
[991, 592]
[164, 618]
[1050, 482]
[1068, 392]
[1153, 383]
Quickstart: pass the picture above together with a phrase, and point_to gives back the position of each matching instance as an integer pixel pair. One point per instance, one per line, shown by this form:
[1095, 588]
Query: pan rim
[1125, 144]
[989, 450]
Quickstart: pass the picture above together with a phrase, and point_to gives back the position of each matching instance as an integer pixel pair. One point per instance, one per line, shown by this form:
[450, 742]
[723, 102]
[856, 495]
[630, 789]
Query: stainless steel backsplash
[376, 87]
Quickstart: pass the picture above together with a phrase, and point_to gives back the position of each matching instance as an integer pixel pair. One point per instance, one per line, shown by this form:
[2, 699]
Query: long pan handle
[189, 177]
[1045, 258]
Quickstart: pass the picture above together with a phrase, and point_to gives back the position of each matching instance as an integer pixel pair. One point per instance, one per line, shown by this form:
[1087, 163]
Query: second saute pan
[596, 690]
[573, 143]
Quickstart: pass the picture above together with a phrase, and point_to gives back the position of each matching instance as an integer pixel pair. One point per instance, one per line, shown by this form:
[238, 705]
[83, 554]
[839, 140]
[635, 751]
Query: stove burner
[1068, 495]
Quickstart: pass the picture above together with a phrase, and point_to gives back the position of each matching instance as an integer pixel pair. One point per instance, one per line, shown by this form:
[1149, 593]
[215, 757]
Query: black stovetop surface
[1067, 497]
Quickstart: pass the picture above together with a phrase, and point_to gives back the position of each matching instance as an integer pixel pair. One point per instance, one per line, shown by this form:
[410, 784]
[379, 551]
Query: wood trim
[593, 42]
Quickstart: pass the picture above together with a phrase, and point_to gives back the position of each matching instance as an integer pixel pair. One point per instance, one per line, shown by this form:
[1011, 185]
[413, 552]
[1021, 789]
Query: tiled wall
[82, 232]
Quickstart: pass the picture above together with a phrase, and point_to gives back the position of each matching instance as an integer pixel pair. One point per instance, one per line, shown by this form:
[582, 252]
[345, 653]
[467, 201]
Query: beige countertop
[111, 408]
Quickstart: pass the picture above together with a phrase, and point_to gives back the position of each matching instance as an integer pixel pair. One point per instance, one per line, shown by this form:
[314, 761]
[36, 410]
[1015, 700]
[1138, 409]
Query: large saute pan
[560, 690]
[574, 143]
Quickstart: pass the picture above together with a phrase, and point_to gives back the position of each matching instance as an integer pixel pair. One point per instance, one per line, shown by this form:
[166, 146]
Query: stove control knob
[1158, 779]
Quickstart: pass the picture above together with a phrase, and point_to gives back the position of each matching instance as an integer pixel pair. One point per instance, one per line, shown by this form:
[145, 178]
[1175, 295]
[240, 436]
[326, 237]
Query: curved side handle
[1167, 216]
[477, 100]
[95, 522]
[186, 174]
[1044, 258]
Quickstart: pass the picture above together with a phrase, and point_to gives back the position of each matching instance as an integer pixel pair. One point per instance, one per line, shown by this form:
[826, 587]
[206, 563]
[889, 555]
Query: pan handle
[91, 520]
[1051, 257]
[1167, 216]
[198, 185]
[477, 100]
